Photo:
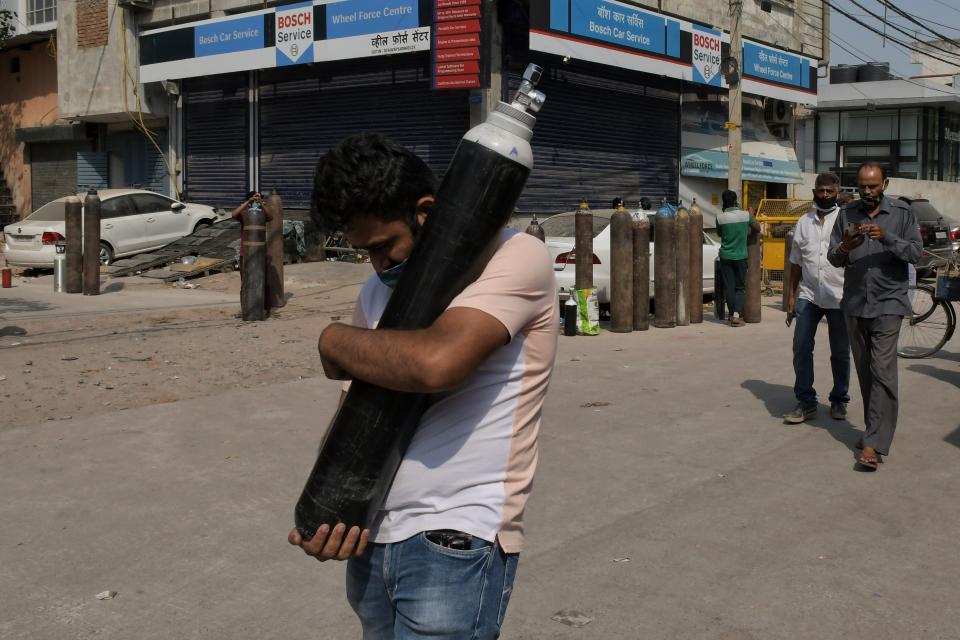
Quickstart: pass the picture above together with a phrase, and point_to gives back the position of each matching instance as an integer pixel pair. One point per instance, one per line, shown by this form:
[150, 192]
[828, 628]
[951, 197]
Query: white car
[560, 235]
[131, 221]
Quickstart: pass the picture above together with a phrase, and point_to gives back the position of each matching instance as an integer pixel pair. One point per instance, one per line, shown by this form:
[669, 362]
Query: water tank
[843, 73]
[873, 72]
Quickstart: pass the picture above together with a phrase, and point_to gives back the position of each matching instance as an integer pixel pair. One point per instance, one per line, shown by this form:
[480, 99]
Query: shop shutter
[301, 117]
[92, 170]
[603, 133]
[215, 140]
[53, 171]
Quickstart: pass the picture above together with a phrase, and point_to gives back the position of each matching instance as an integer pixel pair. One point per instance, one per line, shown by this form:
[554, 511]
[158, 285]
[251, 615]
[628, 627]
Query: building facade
[911, 127]
[28, 99]
[229, 95]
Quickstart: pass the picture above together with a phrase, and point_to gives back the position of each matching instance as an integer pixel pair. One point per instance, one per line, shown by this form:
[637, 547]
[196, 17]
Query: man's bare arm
[421, 361]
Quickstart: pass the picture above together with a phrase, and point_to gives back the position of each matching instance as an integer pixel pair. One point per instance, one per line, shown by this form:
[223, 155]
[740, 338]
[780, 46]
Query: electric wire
[909, 17]
[903, 31]
[863, 24]
[839, 42]
[137, 120]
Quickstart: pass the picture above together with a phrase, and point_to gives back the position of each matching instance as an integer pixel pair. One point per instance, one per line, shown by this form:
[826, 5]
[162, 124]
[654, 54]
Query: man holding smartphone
[874, 240]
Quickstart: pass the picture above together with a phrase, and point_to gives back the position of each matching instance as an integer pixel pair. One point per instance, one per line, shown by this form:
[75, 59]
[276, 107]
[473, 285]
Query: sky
[940, 15]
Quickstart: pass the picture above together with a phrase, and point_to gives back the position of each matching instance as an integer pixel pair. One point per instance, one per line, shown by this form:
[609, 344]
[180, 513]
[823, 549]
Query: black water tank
[843, 73]
[873, 72]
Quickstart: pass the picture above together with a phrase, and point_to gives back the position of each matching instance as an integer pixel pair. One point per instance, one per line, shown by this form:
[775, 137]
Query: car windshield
[925, 211]
[564, 225]
[50, 212]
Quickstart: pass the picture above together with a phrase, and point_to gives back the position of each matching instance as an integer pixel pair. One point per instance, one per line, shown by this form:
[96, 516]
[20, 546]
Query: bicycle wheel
[932, 323]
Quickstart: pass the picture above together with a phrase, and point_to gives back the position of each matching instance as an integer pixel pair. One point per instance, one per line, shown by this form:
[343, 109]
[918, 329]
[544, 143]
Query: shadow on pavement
[113, 287]
[779, 399]
[20, 305]
[950, 377]
[953, 437]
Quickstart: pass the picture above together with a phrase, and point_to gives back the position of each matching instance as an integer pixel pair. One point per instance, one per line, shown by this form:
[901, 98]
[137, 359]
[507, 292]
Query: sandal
[870, 460]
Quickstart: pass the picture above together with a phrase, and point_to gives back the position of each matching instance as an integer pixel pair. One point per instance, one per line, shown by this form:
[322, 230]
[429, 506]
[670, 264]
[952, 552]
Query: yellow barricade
[777, 216]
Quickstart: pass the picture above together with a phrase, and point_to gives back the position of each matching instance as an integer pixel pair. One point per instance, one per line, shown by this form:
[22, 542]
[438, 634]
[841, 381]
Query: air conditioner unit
[136, 4]
[779, 116]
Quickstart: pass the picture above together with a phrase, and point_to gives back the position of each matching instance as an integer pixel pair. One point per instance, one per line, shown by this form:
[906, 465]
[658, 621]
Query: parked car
[131, 221]
[560, 233]
[940, 234]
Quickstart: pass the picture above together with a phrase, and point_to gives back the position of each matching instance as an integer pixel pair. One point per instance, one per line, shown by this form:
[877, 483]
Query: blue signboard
[622, 25]
[773, 65]
[363, 17]
[228, 36]
[715, 164]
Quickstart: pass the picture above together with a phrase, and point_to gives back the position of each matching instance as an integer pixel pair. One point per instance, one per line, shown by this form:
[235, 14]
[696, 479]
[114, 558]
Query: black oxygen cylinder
[370, 433]
[253, 285]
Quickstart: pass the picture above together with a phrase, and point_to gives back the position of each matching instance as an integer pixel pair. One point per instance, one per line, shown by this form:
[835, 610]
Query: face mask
[825, 204]
[391, 276]
[870, 202]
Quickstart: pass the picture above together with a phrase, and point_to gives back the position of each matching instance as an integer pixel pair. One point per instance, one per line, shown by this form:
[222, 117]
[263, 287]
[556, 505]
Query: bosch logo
[294, 20]
[706, 42]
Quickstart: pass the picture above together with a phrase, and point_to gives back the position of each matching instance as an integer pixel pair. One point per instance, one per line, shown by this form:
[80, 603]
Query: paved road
[678, 506]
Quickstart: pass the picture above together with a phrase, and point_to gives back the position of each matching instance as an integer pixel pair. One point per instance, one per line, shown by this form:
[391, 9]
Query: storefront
[636, 106]
[265, 94]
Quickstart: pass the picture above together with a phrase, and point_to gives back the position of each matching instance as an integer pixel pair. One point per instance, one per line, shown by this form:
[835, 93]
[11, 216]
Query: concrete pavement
[670, 502]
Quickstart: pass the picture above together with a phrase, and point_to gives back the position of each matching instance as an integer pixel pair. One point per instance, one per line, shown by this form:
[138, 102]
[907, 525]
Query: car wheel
[201, 225]
[106, 254]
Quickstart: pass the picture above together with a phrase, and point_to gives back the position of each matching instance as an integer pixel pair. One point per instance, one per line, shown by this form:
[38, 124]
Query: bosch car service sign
[294, 34]
[707, 46]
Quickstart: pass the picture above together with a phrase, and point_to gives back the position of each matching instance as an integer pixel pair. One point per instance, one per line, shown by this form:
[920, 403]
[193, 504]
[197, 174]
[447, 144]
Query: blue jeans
[808, 318]
[416, 588]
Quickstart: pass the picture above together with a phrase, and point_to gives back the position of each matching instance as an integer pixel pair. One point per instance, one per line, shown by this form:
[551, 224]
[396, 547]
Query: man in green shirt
[734, 225]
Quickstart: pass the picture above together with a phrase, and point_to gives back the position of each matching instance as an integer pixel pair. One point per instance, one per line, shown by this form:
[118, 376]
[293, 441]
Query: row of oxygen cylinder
[677, 266]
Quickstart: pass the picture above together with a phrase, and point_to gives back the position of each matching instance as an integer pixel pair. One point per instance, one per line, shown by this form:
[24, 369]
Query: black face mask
[825, 204]
[870, 202]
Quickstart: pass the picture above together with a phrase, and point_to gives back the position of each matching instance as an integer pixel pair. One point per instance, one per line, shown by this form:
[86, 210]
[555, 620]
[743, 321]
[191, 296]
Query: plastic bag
[588, 310]
[667, 209]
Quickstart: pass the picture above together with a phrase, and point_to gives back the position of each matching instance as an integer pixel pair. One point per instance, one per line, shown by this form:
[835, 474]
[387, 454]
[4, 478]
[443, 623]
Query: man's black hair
[617, 202]
[827, 178]
[873, 165]
[250, 194]
[645, 203]
[368, 174]
[729, 198]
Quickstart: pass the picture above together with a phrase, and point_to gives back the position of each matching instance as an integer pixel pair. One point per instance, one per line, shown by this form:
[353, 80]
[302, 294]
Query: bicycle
[930, 326]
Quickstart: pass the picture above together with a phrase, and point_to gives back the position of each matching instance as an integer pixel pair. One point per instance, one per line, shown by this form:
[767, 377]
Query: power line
[947, 6]
[909, 17]
[880, 33]
[907, 33]
[836, 40]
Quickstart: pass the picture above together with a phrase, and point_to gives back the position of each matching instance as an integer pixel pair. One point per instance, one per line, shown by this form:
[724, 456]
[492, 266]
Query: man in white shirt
[816, 288]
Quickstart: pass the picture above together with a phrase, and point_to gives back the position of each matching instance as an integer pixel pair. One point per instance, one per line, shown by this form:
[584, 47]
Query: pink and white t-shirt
[470, 464]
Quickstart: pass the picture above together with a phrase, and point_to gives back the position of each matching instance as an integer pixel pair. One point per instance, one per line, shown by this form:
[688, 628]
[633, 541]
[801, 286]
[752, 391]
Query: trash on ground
[621, 559]
[594, 404]
[69, 358]
[572, 618]
[106, 595]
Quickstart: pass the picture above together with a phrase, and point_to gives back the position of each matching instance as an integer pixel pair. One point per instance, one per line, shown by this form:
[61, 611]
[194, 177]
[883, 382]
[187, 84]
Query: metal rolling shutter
[302, 117]
[215, 140]
[600, 137]
[157, 178]
[53, 171]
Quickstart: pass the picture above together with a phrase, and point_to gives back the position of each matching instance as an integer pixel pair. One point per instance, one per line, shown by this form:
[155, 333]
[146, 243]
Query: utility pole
[734, 102]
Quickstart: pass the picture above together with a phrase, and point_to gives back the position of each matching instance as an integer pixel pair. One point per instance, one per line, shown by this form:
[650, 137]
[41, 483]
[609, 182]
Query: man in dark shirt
[874, 240]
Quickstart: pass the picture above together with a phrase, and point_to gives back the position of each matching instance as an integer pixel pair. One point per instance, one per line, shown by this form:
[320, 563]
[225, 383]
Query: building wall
[93, 51]
[941, 71]
[28, 99]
